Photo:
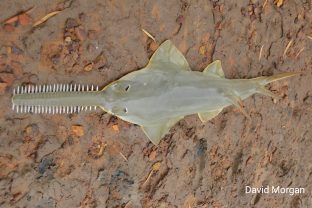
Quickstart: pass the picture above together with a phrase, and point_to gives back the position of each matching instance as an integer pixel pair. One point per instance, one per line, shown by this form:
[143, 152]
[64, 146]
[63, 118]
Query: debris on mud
[93, 159]
[45, 18]
[77, 130]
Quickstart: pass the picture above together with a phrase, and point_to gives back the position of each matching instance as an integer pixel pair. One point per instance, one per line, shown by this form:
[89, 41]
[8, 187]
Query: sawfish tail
[264, 80]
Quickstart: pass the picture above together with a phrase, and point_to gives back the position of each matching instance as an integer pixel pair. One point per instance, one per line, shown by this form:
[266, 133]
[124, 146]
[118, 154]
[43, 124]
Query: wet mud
[93, 159]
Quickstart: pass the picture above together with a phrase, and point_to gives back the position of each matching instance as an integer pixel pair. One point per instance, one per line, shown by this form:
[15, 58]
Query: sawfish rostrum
[155, 97]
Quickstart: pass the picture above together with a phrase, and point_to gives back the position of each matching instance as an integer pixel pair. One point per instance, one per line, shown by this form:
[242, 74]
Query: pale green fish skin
[154, 96]
[166, 90]
[162, 93]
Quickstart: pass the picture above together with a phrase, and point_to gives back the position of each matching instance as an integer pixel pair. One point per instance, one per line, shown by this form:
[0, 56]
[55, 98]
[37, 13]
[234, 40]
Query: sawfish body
[152, 97]
[166, 90]
[155, 97]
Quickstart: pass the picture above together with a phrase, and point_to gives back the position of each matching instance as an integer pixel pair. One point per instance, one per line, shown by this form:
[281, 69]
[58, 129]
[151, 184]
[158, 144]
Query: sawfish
[155, 97]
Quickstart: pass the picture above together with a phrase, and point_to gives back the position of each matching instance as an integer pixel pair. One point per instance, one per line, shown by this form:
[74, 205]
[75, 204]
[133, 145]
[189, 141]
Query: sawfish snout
[55, 99]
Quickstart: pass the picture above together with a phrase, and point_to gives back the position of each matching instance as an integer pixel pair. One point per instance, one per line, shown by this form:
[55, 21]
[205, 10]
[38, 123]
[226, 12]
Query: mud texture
[95, 160]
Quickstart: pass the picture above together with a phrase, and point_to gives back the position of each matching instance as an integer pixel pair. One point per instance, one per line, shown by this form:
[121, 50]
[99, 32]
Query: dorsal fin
[215, 69]
[167, 57]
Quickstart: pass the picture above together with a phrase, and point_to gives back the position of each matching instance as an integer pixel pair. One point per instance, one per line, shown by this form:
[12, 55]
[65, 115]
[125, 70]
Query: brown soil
[96, 160]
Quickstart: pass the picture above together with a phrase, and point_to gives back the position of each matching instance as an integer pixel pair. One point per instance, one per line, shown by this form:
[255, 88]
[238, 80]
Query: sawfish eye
[125, 110]
[127, 88]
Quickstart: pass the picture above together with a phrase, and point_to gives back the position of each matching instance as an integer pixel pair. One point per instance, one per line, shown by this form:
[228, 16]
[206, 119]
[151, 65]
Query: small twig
[45, 18]
[155, 168]
[302, 49]
[287, 47]
[102, 148]
[264, 4]
[260, 54]
[148, 177]
[310, 37]
[123, 156]
[149, 35]
[128, 204]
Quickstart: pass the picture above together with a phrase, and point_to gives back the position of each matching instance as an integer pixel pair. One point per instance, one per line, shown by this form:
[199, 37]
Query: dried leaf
[28, 130]
[149, 35]
[102, 148]
[2, 88]
[15, 17]
[279, 3]
[115, 128]
[202, 50]
[11, 20]
[24, 19]
[45, 18]
[88, 67]
[77, 130]
[156, 166]
[152, 155]
[153, 46]
[9, 50]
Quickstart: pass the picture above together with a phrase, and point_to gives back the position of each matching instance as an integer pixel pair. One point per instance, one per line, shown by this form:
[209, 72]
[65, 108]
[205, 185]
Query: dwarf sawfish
[155, 97]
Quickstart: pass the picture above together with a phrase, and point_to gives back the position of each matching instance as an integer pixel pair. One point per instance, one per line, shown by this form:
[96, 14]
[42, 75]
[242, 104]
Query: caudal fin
[262, 81]
[266, 80]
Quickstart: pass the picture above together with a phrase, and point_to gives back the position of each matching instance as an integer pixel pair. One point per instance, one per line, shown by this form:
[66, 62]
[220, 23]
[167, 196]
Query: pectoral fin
[214, 69]
[168, 57]
[156, 132]
[206, 116]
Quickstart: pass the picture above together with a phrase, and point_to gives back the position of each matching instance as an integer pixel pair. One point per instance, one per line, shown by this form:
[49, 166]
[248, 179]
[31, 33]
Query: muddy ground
[92, 159]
